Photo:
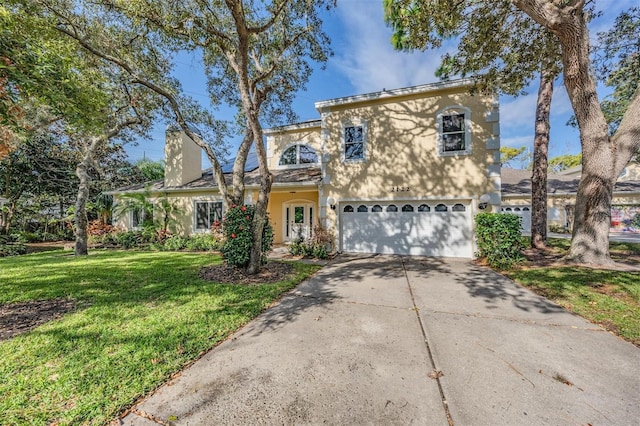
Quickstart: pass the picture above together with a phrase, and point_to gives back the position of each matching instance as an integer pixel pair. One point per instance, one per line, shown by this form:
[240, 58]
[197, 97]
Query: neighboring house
[399, 171]
[562, 188]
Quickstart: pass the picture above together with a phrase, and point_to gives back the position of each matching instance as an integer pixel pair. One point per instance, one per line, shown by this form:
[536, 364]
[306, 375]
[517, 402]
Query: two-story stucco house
[399, 171]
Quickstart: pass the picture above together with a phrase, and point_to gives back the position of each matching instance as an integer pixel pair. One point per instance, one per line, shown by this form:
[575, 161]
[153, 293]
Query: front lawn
[139, 317]
[606, 297]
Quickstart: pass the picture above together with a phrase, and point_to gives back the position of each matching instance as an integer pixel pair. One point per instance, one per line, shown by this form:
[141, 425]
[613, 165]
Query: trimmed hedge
[499, 239]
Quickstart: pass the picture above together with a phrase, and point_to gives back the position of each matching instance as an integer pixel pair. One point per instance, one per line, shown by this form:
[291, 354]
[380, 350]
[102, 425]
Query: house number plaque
[400, 189]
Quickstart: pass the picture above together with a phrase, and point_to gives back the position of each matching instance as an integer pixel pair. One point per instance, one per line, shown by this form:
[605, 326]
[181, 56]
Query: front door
[297, 221]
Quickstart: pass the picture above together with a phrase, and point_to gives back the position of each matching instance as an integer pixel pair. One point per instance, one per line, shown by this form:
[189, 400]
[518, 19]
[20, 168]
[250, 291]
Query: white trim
[306, 205]
[424, 88]
[296, 126]
[398, 200]
[298, 165]
[454, 109]
[195, 214]
[365, 136]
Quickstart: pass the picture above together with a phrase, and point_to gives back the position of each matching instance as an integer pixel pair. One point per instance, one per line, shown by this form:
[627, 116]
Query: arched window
[525, 209]
[392, 208]
[424, 208]
[297, 155]
[362, 208]
[441, 208]
[517, 209]
[376, 208]
[508, 209]
[458, 208]
[348, 209]
[407, 208]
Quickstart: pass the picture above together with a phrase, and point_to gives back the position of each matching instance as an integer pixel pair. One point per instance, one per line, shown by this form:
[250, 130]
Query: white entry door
[298, 220]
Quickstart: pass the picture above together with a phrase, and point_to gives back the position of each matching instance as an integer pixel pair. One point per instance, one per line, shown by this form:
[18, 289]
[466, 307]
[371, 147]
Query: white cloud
[518, 112]
[365, 55]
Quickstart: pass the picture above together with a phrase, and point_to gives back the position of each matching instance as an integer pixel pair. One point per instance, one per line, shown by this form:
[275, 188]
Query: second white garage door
[412, 228]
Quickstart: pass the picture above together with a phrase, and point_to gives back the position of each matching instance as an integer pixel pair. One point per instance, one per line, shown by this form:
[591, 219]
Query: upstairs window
[298, 155]
[454, 132]
[207, 212]
[354, 141]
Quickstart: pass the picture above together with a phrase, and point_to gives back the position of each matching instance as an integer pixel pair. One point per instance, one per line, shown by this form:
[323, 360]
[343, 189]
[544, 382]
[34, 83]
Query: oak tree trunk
[82, 171]
[590, 241]
[236, 194]
[540, 162]
[602, 157]
[260, 214]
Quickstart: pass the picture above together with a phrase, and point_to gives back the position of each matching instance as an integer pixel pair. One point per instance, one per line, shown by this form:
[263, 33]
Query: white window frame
[298, 165]
[195, 214]
[141, 217]
[365, 137]
[451, 110]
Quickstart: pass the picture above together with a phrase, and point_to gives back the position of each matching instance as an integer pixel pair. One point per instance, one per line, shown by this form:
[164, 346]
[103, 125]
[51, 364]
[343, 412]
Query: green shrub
[129, 239]
[499, 239]
[238, 230]
[9, 246]
[175, 243]
[202, 242]
[558, 229]
[318, 246]
[12, 249]
[30, 237]
[298, 247]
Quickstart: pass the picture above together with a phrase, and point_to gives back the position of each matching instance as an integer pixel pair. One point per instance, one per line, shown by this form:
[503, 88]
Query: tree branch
[627, 137]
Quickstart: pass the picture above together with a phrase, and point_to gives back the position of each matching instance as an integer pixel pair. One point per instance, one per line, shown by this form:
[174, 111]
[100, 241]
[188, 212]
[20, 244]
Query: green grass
[609, 298]
[140, 317]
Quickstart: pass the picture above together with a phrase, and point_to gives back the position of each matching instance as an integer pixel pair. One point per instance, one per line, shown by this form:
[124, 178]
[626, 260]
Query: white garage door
[413, 228]
[523, 212]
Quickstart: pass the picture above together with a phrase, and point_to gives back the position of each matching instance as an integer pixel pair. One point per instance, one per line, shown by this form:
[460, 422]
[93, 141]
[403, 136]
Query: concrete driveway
[398, 340]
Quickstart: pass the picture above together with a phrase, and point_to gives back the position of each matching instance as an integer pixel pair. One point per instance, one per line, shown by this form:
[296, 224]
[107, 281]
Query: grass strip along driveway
[610, 298]
[138, 318]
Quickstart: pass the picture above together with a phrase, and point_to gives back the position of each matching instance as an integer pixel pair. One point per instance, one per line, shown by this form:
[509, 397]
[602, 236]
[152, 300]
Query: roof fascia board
[392, 93]
[291, 127]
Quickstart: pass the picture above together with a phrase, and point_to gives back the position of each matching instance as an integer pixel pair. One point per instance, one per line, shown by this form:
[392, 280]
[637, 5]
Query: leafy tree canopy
[617, 63]
[501, 48]
[509, 155]
[564, 162]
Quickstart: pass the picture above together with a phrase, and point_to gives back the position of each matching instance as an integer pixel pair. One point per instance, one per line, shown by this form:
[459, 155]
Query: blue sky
[364, 62]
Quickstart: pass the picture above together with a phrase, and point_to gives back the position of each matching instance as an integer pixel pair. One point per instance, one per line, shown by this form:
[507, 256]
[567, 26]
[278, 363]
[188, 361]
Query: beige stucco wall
[185, 202]
[275, 208]
[184, 224]
[279, 140]
[183, 159]
[401, 150]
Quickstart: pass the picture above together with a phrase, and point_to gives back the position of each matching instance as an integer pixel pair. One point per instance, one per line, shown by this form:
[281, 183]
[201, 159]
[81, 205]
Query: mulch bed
[554, 258]
[18, 318]
[225, 274]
